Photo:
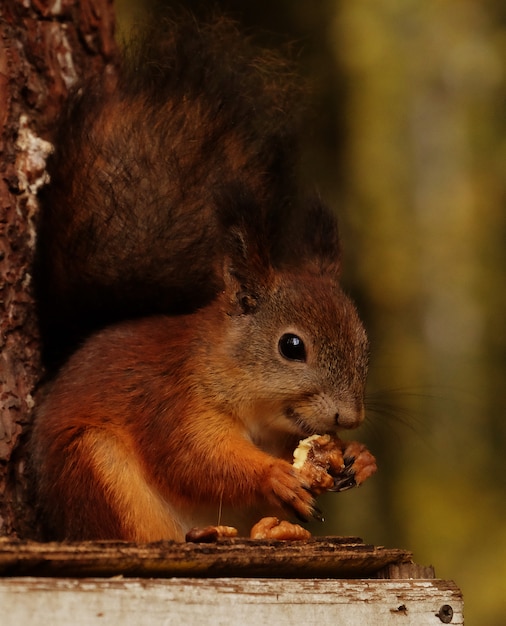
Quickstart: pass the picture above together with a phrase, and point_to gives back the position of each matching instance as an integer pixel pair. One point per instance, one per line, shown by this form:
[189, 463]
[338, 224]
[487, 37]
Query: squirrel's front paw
[286, 487]
[359, 465]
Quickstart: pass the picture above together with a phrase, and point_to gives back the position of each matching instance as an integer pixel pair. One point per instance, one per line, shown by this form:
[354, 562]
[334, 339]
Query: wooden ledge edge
[319, 557]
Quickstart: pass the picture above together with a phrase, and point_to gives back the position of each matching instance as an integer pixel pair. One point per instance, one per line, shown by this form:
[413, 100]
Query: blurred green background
[408, 143]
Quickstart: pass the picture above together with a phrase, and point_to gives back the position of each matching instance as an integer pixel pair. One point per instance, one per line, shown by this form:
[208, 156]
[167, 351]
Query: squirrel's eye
[292, 348]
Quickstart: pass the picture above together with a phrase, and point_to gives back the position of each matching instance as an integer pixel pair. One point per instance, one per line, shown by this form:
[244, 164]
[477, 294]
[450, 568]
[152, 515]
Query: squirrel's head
[293, 340]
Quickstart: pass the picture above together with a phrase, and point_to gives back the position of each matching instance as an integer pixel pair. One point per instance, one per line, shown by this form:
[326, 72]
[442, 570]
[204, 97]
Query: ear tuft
[247, 268]
[313, 243]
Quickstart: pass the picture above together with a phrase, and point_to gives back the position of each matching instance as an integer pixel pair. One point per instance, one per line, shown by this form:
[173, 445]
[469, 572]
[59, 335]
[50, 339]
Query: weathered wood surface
[138, 602]
[327, 580]
[336, 557]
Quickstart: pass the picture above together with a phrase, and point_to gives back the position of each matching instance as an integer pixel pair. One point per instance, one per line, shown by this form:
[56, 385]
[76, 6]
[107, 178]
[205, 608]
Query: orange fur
[188, 297]
[155, 425]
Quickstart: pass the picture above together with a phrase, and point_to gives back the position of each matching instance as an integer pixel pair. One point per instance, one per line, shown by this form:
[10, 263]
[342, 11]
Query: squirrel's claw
[343, 483]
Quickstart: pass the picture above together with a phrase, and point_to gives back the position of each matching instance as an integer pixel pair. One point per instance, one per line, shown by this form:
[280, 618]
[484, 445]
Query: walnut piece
[330, 464]
[273, 528]
[210, 534]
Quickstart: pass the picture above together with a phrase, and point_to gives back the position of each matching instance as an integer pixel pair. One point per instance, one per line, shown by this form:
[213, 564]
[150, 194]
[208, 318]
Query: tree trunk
[46, 47]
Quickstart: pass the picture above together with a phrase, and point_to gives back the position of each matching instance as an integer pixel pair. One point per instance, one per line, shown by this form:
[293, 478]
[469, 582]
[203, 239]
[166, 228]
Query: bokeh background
[408, 143]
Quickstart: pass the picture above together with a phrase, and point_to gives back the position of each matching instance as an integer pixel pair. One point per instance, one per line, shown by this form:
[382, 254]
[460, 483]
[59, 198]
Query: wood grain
[227, 601]
[335, 557]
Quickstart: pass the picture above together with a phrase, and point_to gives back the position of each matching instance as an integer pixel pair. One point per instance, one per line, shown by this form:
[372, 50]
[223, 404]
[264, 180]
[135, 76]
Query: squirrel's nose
[350, 417]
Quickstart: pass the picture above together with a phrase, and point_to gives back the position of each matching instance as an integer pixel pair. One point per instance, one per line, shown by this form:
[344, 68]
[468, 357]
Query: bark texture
[46, 47]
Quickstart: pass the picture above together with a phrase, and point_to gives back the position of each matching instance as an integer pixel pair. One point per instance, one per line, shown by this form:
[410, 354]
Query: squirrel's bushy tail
[129, 224]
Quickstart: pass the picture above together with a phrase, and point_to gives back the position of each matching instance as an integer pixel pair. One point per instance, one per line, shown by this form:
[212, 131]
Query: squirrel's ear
[246, 269]
[245, 275]
[316, 240]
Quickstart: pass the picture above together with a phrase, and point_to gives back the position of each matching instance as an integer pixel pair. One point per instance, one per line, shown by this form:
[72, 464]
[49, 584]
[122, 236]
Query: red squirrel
[199, 297]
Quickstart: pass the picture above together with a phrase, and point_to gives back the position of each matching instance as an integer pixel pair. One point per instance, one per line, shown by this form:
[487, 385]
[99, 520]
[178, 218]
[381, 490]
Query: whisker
[400, 409]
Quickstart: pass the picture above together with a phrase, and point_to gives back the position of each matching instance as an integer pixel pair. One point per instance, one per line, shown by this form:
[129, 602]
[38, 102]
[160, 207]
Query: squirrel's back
[129, 225]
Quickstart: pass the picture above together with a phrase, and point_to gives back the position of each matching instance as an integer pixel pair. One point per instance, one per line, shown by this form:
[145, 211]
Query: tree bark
[46, 48]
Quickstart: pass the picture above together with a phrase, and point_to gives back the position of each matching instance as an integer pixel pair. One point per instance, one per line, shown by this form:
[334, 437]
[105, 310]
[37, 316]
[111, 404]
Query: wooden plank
[336, 557]
[31, 601]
